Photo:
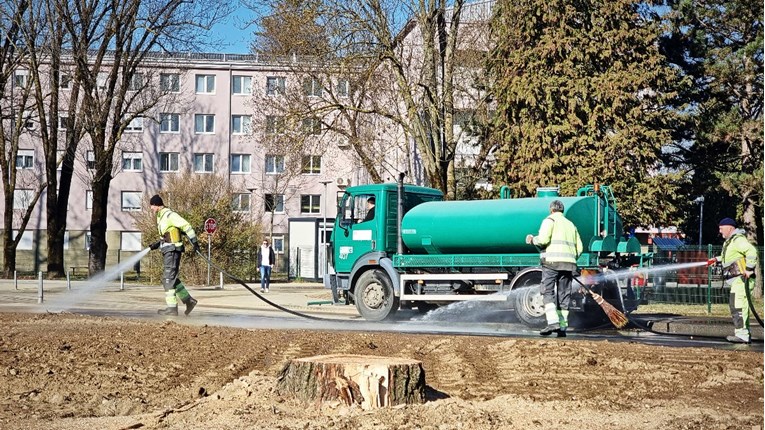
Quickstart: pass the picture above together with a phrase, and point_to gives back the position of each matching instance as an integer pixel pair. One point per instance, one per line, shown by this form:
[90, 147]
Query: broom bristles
[617, 318]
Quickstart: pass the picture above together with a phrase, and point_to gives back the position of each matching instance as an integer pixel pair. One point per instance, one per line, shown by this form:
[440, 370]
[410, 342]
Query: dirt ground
[64, 371]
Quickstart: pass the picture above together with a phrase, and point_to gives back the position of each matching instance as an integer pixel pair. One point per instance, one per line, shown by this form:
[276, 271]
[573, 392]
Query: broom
[617, 318]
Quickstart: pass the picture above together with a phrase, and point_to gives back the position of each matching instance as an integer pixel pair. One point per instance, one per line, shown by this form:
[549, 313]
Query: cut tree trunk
[364, 380]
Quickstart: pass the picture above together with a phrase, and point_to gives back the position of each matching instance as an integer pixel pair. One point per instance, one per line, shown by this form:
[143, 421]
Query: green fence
[696, 285]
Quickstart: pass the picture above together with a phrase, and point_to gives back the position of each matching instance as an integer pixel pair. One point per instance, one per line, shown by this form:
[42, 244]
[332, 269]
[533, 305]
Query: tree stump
[365, 380]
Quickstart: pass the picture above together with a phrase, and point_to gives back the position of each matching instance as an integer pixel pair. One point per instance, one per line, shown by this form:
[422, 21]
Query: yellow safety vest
[170, 225]
[560, 240]
[737, 247]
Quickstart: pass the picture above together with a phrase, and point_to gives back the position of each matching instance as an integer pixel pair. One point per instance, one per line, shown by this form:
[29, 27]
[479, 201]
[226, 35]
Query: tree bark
[367, 381]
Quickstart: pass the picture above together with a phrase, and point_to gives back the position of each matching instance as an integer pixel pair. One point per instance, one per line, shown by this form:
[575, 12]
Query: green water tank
[491, 226]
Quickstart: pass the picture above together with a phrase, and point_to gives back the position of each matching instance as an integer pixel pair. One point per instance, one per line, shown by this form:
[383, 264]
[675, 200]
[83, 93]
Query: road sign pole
[209, 245]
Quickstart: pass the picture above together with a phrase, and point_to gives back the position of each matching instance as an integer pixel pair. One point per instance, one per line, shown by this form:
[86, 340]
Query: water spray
[91, 284]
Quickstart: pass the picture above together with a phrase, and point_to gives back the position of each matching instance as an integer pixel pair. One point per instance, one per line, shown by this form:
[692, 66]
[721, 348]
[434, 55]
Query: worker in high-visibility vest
[562, 246]
[170, 226]
[738, 259]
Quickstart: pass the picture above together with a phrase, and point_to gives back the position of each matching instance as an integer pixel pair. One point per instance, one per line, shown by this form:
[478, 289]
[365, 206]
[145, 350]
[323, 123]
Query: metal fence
[695, 285]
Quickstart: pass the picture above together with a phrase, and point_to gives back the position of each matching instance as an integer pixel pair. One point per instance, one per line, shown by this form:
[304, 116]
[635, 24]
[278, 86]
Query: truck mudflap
[338, 285]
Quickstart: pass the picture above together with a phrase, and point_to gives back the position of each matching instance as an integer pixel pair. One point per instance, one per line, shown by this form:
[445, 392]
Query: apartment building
[220, 115]
[216, 118]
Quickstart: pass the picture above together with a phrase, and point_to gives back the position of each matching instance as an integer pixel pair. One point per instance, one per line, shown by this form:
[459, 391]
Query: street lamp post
[323, 228]
[700, 201]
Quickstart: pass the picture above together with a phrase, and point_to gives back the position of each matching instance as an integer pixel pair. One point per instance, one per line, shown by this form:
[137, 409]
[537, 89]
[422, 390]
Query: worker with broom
[739, 259]
[562, 246]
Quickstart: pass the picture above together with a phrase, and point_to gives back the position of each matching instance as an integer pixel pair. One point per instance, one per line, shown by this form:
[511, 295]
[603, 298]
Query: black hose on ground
[751, 302]
[281, 308]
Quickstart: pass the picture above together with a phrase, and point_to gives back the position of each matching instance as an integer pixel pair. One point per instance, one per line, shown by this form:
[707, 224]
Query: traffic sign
[211, 225]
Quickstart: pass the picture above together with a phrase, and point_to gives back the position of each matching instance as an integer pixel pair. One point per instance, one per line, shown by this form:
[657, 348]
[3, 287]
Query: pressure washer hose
[751, 302]
[281, 308]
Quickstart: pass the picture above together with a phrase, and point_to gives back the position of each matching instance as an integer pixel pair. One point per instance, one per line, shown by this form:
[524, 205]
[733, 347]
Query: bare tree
[19, 124]
[400, 62]
[291, 147]
[109, 42]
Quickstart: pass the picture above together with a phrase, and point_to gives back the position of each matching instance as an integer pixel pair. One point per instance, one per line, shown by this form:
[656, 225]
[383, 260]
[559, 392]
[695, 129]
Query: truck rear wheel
[529, 307]
[375, 299]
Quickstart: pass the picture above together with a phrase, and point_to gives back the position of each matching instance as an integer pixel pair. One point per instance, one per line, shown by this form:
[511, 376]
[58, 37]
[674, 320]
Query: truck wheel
[529, 307]
[375, 299]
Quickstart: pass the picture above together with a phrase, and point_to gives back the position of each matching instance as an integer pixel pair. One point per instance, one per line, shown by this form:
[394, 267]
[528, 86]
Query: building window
[240, 124]
[27, 241]
[240, 163]
[20, 78]
[132, 161]
[63, 119]
[88, 239]
[312, 87]
[274, 124]
[131, 201]
[168, 161]
[101, 80]
[205, 84]
[65, 81]
[130, 241]
[274, 164]
[277, 244]
[310, 203]
[274, 203]
[204, 124]
[342, 88]
[89, 200]
[29, 122]
[311, 164]
[275, 85]
[22, 199]
[241, 202]
[135, 125]
[203, 163]
[90, 160]
[169, 123]
[241, 85]
[25, 159]
[136, 82]
[312, 126]
[170, 82]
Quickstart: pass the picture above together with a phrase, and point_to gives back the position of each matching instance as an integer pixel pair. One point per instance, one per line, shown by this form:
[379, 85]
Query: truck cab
[363, 238]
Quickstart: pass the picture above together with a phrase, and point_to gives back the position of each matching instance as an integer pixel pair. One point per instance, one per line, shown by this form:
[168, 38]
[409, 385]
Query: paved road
[237, 307]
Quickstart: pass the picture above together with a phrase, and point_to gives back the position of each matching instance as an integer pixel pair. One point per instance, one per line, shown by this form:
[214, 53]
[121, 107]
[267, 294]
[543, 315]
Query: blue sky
[229, 37]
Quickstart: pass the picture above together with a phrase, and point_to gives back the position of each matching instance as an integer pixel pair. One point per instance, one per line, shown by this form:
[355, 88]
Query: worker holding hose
[738, 259]
[170, 226]
[562, 246]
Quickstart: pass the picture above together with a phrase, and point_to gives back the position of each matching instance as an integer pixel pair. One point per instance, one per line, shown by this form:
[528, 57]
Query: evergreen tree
[584, 95]
[719, 45]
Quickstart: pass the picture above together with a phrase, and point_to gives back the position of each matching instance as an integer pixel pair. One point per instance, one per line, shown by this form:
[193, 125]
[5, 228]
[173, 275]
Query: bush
[234, 245]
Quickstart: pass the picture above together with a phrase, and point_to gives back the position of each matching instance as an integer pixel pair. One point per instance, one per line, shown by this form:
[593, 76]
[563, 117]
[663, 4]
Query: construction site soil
[65, 371]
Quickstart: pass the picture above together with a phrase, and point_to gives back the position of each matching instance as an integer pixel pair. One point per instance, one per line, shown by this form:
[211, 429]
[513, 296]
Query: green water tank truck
[421, 251]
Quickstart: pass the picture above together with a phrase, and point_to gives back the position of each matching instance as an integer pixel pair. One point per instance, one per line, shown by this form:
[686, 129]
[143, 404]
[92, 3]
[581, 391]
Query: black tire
[375, 299]
[529, 307]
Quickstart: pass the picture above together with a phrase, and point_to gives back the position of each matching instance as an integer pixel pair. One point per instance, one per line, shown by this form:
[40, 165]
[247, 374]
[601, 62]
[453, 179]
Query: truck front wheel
[374, 295]
[528, 297]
